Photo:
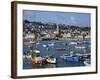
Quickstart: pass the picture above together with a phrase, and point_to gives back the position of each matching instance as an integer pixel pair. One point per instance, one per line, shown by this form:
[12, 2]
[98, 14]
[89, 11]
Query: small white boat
[87, 63]
[44, 46]
[37, 43]
[51, 60]
[73, 43]
[27, 57]
[80, 47]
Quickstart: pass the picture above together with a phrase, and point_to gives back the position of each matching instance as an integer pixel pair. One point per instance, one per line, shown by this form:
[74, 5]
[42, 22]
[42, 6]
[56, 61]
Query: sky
[68, 18]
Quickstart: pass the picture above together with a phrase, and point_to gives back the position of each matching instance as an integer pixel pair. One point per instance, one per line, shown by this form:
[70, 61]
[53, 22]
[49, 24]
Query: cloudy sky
[68, 18]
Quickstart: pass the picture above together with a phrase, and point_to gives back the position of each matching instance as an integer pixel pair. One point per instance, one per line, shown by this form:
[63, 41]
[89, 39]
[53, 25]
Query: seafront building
[44, 30]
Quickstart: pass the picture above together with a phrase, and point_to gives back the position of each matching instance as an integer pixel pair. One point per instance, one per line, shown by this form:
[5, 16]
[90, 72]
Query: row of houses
[71, 36]
[41, 31]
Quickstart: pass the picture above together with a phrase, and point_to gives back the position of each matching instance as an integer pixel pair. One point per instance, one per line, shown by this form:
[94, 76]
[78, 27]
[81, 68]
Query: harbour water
[69, 47]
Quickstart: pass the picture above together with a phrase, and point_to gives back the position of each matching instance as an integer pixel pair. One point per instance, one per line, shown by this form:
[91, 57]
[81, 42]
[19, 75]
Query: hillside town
[40, 31]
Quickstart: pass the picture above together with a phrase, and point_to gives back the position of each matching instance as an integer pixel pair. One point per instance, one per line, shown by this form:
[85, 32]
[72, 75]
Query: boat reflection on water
[50, 65]
[47, 65]
[36, 65]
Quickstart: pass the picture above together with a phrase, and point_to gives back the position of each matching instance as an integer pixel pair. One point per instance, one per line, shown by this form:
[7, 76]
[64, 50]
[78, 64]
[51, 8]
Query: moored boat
[87, 62]
[35, 51]
[51, 59]
[27, 56]
[60, 49]
[71, 58]
[73, 43]
[45, 46]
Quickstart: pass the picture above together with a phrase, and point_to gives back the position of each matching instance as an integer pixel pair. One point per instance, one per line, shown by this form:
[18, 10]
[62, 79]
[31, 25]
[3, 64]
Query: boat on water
[28, 57]
[80, 47]
[44, 45]
[84, 56]
[35, 51]
[78, 57]
[44, 60]
[36, 59]
[87, 62]
[60, 49]
[51, 60]
[70, 57]
[73, 43]
[73, 58]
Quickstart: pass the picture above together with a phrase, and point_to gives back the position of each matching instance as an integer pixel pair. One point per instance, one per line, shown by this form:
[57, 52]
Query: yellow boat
[35, 51]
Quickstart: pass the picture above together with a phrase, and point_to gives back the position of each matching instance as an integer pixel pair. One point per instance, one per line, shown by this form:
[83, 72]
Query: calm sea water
[51, 51]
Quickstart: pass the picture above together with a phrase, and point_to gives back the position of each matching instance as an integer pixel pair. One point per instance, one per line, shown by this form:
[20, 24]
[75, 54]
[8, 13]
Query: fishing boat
[71, 58]
[60, 49]
[35, 57]
[51, 60]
